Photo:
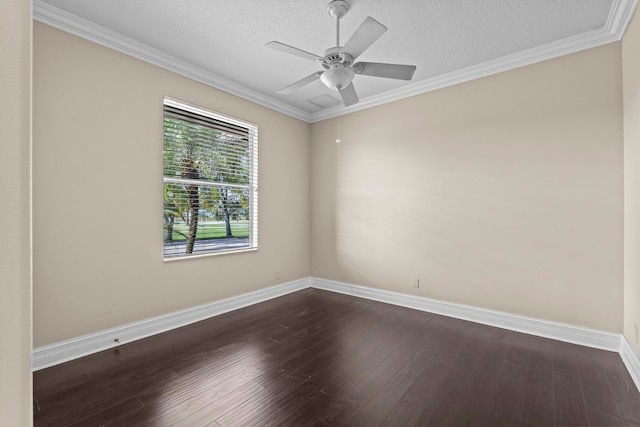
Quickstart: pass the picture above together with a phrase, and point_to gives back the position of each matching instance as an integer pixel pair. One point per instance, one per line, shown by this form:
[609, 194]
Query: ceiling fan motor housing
[333, 56]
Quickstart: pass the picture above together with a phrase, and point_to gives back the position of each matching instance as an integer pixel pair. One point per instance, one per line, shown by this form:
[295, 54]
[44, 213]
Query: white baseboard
[543, 328]
[558, 331]
[75, 348]
[631, 361]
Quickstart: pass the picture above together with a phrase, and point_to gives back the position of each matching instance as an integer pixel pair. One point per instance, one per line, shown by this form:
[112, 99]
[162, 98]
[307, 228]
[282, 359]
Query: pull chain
[339, 166]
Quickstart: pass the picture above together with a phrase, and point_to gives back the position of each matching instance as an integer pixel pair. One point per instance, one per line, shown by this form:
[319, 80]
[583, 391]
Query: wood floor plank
[507, 405]
[609, 395]
[372, 383]
[261, 406]
[214, 406]
[444, 368]
[314, 377]
[83, 400]
[53, 387]
[101, 417]
[317, 358]
[404, 414]
[539, 406]
[380, 405]
[477, 384]
[569, 408]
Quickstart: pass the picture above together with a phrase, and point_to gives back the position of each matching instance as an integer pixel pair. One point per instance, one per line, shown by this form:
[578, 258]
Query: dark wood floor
[318, 358]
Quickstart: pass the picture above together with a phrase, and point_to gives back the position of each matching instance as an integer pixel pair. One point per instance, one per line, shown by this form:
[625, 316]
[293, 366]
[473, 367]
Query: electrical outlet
[415, 282]
[276, 275]
[635, 331]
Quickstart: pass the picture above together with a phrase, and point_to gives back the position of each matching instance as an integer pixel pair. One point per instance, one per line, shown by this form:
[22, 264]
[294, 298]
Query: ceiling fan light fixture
[337, 77]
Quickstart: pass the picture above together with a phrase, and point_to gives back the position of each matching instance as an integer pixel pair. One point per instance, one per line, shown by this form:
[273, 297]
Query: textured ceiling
[448, 40]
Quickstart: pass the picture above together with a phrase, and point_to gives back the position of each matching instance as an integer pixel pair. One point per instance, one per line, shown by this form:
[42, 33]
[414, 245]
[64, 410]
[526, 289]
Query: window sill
[207, 255]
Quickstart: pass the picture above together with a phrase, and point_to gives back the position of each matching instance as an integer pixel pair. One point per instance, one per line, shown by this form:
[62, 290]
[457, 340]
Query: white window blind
[210, 182]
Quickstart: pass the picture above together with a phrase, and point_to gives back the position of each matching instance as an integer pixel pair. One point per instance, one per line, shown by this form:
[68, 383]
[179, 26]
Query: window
[210, 182]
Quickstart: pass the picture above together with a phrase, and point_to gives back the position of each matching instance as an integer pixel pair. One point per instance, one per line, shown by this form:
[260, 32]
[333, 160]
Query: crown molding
[72, 24]
[617, 23]
[620, 17]
[509, 62]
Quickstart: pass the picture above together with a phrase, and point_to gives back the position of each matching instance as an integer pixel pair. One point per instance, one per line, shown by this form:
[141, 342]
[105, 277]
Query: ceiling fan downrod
[337, 9]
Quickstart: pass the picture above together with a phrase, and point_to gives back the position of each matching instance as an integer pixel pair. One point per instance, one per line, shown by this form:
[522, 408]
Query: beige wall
[15, 208]
[631, 78]
[98, 193]
[504, 193]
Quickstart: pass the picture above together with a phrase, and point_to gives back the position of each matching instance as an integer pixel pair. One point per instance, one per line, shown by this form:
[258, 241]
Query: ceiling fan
[338, 62]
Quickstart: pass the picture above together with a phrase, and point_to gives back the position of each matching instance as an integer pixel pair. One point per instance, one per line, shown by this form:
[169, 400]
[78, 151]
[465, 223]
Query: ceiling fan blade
[302, 82]
[349, 95]
[368, 32]
[293, 51]
[390, 71]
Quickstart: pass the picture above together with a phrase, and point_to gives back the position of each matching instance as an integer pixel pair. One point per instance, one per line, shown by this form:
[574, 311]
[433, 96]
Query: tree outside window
[210, 182]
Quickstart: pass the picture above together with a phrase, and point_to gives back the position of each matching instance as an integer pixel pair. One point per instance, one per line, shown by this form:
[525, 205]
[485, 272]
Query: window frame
[251, 187]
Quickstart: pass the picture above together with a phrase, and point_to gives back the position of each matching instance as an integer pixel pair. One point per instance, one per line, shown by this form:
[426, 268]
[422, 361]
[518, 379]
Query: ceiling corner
[620, 17]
